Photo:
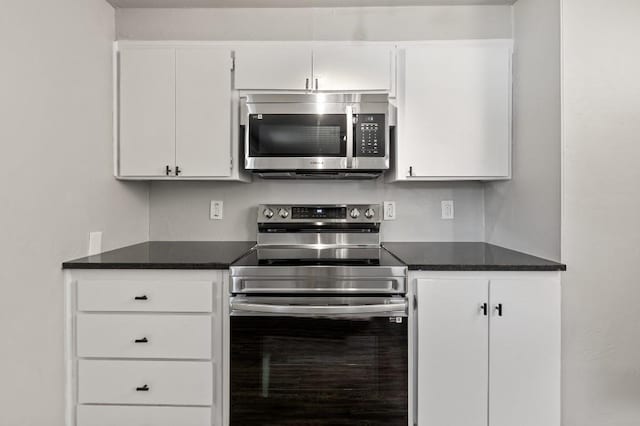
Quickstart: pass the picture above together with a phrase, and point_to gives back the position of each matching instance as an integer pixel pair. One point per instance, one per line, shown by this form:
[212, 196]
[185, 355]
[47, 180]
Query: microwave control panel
[369, 135]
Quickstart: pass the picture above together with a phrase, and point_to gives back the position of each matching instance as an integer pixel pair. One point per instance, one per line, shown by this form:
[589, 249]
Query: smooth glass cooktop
[297, 256]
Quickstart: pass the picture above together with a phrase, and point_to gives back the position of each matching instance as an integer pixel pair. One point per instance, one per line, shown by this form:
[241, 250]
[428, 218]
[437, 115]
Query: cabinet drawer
[100, 415]
[145, 296]
[144, 336]
[145, 382]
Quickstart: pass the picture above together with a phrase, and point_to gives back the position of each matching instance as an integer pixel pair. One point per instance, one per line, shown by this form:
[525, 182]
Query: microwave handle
[350, 159]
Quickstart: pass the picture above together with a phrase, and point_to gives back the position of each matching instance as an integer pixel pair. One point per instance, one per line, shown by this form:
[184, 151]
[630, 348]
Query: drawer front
[101, 415]
[145, 296]
[145, 382]
[144, 336]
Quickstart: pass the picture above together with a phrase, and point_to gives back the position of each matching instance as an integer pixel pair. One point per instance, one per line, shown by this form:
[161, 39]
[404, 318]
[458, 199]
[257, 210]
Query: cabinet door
[203, 111]
[358, 68]
[452, 352]
[273, 68]
[525, 353]
[455, 112]
[146, 111]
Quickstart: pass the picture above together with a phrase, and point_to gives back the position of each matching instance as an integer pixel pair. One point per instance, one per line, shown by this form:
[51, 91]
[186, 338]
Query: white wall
[179, 211]
[524, 213]
[349, 23]
[601, 223]
[55, 187]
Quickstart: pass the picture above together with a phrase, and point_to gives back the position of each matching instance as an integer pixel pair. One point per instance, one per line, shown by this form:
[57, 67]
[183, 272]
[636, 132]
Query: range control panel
[369, 135]
[364, 213]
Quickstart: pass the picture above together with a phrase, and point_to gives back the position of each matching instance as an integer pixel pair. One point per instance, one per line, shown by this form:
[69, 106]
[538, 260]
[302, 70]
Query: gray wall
[601, 224]
[56, 185]
[524, 213]
[180, 211]
[353, 23]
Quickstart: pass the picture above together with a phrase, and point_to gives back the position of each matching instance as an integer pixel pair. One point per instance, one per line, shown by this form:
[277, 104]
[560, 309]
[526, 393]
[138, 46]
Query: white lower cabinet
[127, 415]
[145, 382]
[488, 348]
[144, 347]
[144, 336]
[524, 362]
[453, 352]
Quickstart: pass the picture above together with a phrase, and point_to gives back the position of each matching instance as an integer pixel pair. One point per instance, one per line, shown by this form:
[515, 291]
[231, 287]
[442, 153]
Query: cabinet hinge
[231, 163]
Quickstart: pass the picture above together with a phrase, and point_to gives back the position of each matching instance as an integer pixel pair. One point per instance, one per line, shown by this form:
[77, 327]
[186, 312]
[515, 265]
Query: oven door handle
[391, 307]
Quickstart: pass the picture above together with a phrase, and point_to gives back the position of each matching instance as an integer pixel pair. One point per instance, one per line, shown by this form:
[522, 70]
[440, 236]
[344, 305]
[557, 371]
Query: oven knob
[369, 213]
[284, 213]
[268, 213]
[355, 213]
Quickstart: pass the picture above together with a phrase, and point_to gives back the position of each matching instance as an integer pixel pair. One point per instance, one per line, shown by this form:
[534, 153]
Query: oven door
[318, 361]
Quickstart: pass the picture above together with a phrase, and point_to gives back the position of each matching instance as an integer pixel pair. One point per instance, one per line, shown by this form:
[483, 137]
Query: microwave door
[298, 141]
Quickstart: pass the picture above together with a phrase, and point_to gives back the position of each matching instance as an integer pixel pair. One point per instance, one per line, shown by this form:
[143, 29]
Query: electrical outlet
[95, 243]
[447, 209]
[389, 210]
[217, 210]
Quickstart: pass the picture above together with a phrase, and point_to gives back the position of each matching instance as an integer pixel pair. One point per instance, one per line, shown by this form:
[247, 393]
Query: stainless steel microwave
[316, 135]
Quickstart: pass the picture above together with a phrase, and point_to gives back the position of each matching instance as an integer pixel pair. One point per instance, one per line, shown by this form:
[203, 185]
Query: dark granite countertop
[167, 255]
[433, 256]
[459, 256]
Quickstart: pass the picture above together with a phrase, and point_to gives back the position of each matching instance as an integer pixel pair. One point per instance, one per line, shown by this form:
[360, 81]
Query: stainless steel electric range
[318, 319]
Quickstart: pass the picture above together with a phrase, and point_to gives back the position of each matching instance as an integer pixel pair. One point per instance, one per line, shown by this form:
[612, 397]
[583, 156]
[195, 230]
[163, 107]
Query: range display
[318, 212]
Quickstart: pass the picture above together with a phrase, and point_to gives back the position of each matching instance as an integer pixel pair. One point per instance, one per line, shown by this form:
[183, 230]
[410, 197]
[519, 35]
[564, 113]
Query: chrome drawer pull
[143, 297]
[144, 388]
[143, 340]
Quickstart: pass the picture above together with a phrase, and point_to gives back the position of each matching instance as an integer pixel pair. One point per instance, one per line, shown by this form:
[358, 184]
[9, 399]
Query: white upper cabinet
[175, 113]
[147, 111]
[273, 68]
[454, 111]
[319, 68]
[352, 68]
[203, 111]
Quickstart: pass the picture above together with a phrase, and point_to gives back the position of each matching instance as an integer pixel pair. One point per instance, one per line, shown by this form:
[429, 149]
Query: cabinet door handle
[410, 170]
[167, 170]
[143, 297]
[306, 85]
[317, 85]
[144, 388]
[178, 171]
[484, 308]
[143, 340]
[498, 309]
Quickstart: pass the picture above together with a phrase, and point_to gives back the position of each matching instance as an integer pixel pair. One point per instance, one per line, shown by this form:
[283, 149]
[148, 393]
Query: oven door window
[310, 371]
[297, 135]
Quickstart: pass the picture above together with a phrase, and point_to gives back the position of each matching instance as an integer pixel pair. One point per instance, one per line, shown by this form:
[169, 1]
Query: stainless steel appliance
[318, 320]
[317, 135]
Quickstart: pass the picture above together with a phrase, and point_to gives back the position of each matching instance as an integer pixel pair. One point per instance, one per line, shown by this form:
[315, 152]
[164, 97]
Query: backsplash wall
[180, 210]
